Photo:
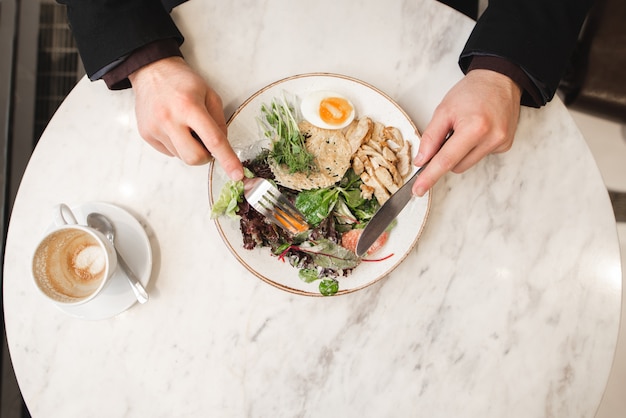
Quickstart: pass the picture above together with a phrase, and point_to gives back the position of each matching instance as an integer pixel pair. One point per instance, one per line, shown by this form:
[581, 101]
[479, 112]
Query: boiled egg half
[327, 110]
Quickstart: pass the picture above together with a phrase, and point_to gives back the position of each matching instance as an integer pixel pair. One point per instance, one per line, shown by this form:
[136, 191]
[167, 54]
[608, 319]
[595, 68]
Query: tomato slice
[350, 238]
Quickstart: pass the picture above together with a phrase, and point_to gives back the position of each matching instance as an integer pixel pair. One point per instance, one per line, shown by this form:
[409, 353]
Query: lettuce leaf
[316, 204]
[228, 201]
[327, 254]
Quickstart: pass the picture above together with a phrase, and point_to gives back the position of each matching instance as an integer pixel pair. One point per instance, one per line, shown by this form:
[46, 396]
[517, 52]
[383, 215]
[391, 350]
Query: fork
[271, 203]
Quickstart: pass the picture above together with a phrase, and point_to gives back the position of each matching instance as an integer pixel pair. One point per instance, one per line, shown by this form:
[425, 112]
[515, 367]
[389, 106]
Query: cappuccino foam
[69, 265]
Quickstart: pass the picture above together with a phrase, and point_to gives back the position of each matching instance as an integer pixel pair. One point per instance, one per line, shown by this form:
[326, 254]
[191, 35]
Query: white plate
[244, 135]
[132, 241]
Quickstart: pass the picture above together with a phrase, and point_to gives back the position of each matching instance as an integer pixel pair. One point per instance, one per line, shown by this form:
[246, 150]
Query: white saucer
[132, 241]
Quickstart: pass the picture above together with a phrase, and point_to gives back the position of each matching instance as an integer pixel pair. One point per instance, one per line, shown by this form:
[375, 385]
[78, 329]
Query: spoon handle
[135, 284]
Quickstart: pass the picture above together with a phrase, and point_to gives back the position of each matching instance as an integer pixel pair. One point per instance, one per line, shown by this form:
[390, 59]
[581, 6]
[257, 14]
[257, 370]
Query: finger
[195, 136]
[432, 138]
[503, 148]
[448, 157]
[190, 150]
[214, 106]
[479, 152]
[163, 146]
[472, 158]
[214, 139]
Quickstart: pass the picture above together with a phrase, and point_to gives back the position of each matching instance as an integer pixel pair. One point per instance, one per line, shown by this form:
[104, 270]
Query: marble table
[509, 305]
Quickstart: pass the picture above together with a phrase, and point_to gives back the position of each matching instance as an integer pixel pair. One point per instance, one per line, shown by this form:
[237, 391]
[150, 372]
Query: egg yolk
[335, 110]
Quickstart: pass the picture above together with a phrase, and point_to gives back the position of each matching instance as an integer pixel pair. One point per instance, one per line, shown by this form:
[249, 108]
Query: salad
[336, 169]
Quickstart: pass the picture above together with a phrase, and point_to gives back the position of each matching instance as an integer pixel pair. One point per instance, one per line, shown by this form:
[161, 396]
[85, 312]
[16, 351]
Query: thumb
[432, 138]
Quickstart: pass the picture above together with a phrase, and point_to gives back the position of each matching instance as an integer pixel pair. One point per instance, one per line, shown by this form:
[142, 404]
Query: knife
[389, 211]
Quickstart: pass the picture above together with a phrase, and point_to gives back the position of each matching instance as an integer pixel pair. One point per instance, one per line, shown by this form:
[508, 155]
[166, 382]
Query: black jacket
[537, 35]
[107, 30]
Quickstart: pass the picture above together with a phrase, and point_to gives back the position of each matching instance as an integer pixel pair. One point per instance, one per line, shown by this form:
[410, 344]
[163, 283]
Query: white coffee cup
[72, 263]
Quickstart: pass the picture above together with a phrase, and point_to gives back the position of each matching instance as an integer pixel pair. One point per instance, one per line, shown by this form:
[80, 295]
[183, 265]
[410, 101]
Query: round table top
[508, 306]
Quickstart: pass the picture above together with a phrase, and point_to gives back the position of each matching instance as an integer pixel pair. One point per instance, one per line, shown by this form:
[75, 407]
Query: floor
[607, 141]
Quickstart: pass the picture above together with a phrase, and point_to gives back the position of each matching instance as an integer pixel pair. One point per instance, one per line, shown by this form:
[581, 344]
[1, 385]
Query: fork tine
[285, 212]
[290, 209]
[271, 203]
[282, 201]
[282, 210]
[291, 216]
[285, 219]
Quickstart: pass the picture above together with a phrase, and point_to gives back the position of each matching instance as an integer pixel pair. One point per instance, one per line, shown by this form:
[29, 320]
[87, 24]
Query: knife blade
[389, 211]
[386, 214]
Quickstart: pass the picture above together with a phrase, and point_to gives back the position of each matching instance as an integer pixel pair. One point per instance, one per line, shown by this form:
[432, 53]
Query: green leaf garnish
[288, 148]
[308, 275]
[329, 287]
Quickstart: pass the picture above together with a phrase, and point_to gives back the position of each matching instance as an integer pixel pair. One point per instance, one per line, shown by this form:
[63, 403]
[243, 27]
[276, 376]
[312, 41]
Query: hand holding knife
[389, 210]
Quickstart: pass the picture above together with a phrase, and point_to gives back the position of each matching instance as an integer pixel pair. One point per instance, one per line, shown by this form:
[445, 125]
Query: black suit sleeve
[537, 35]
[108, 30]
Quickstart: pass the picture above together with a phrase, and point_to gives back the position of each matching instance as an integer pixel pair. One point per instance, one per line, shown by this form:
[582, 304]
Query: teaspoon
[101, 223]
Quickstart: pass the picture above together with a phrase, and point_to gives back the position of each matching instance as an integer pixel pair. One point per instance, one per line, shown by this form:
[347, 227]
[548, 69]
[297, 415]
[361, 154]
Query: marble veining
[508, 306]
